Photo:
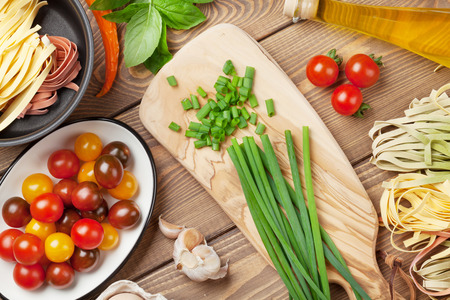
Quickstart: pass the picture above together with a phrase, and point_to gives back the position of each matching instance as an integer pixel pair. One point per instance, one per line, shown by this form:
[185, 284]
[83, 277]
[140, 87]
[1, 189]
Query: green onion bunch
[295, 241]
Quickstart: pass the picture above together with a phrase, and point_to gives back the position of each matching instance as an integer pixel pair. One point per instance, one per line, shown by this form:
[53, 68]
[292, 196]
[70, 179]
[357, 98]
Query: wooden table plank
[182, 200]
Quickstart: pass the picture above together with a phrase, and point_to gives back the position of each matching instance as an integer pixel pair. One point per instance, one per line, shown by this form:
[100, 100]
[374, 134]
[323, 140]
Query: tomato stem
[377, 60]
[334, 56]
[360, 112]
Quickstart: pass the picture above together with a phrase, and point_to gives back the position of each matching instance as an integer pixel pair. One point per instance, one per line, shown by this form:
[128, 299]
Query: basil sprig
[146, 30]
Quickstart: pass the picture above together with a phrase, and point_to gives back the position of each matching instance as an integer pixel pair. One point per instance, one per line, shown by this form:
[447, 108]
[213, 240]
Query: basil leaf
[125, 15]
[179, 14]
[142, 36]
[107, 4]
[161, 56]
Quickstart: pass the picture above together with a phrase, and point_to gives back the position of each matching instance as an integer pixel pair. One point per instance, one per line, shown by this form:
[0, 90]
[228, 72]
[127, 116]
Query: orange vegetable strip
[108, 31]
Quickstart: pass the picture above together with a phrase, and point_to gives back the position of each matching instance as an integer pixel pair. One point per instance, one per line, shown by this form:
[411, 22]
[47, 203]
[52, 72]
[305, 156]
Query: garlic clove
[169, 230]
[221, 273]
[191, 238]
[188, 260]
[211, 261]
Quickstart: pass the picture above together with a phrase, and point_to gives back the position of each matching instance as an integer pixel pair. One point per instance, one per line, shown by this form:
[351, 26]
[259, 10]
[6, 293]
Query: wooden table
[180, 199]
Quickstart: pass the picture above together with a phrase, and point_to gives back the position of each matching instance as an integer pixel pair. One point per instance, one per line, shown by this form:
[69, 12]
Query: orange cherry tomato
[59, 247]
[86, 172]
[110, 239]
[35, 185]
[88, 146]
[127, 188]
[40, 229]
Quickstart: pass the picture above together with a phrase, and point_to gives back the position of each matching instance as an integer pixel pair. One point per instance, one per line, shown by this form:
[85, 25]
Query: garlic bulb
[192, 255]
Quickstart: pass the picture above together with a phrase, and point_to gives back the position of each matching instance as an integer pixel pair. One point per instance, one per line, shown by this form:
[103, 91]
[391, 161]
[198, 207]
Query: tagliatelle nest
[418, 141]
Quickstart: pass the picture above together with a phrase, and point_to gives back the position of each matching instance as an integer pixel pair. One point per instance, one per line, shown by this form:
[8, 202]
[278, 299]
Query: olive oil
[425, 31]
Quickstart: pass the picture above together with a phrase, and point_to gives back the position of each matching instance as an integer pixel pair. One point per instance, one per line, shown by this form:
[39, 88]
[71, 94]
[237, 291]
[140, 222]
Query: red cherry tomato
[124, 214]
[16, 212]
[47, 208]
[65, 223]
[108, 171]
[87, 196]
[99, 214]
[60, 275]
[64, 190]
[322, 70]
[29, 277]
[346, 99]
[7, 239]
[119, 150]
[63, 164]
[362, 70]
[28, 249]
[85, 260]
[87, 234]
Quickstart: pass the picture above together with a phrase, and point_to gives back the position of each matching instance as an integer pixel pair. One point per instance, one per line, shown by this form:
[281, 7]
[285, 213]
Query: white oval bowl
[34, 160]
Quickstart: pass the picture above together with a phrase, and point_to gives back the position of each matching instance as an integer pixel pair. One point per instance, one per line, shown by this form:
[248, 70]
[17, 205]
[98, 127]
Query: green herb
[172, 81]
[201, 92]
[186, 103]
[146, 33]
[228, 68]
[174, 126]
[260, 128]
[270, 108]
[253, 117]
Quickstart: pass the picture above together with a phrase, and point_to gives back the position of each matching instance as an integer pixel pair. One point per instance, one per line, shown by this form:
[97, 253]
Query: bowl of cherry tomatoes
[74, 207]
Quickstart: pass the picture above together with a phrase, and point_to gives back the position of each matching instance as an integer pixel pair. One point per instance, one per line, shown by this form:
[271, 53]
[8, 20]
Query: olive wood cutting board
[344, 208]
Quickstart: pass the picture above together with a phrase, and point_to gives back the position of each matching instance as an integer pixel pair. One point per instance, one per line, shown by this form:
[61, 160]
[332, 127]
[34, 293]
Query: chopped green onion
[242, 122]
[203, 112]
[212, 115]
[195, 103]
[247, 83]
[228, 67]
[186, 103]
[227, 98]
[253, 101]
[174, 126]
[227, 115]
[208, 141]
[200, 144]
[222, 80]
[172, 81]
[222, 104]
[201, 92]
[260, 128]
[270, 108]
[195, 134]
[204, 129]
[240, 81]
[213, 105]
[215, 146]
[250, 72]
[229, 130]
[245, 113]
[235, 80]
[234, 112]
[220, 97]
[206, 122]
[230, 86]
[253, 117]
[220, 88]
[194, 126]
[243, 91]
[221, 122]
[235, 121]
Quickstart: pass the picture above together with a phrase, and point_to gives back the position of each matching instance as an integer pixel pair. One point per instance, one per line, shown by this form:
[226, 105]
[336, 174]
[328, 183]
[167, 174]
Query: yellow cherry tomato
[36, 184]
[88, 146]
[86, 172]
[110, 239]
[59, 247]
[127, 188]
[40, 229]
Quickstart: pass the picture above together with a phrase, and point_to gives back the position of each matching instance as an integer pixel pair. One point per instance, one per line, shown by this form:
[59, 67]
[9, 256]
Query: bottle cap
[303, 9]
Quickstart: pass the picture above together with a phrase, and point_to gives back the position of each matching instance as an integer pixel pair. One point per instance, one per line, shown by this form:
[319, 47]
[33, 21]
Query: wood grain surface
[181, 199]
[344, 208]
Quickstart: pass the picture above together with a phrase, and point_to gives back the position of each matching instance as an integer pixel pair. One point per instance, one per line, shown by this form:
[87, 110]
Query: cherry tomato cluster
[65, 223]
[361, 70]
